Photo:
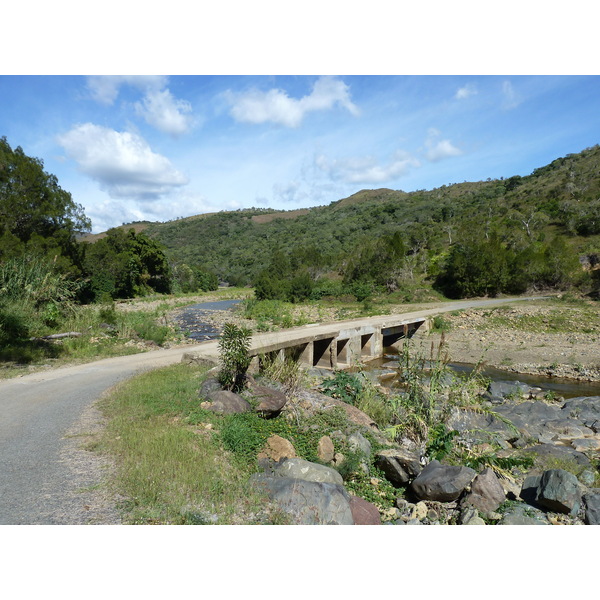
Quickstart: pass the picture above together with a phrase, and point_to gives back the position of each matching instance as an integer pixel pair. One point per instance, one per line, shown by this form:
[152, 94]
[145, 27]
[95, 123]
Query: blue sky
[160, 147]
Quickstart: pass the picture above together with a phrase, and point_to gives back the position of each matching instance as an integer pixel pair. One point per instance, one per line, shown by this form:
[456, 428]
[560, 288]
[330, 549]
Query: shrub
[234, 344]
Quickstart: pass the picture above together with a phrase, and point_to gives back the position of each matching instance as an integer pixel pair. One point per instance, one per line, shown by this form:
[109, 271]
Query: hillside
[559, 201]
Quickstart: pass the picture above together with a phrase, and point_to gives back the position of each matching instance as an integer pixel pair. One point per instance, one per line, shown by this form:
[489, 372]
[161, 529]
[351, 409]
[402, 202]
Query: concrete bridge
[343, 344]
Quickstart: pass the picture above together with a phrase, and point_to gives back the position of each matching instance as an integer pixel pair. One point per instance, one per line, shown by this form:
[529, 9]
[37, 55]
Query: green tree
[35, 212]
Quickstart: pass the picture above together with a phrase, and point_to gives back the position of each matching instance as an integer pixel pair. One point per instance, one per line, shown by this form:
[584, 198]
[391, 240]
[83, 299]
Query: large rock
[592, 508]
[507, 389]
[559, 491]
[363, 512]
[226, 402]
[270, 400]
[399, 466]
[359, 443]
[277, 448]
[442, 483]
[551, 453]
[487, 493]
[308, 502]
[209, 385]
[298, 468]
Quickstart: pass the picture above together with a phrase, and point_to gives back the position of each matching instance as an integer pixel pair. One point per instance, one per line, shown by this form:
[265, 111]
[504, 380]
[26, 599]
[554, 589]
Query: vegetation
[234, 344]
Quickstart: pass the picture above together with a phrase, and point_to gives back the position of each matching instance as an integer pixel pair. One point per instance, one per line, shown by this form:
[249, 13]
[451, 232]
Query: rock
[552, 453]
[559, 491]
[363, 512]
[307, 502]
[325, 449]
[226, 402]
[277, 448]
[270, 400]
[505, 389]
[419, 511]
[298, 468]
[443, 483]
[585, 410]
[354, 414]
[399, 466]
[529, 489]
[359, 443]
[592, 508]
[470, 517]
[586, 444]
[209, 385]
[487, 493]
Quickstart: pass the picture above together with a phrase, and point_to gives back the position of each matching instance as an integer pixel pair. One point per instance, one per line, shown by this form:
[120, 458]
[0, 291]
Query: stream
[190, 319]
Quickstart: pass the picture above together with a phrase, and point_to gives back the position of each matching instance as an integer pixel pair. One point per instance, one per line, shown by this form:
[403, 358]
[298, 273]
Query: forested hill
[556, 204]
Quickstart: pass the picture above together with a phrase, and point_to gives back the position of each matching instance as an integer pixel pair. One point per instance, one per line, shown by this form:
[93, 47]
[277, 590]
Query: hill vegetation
[465, 239]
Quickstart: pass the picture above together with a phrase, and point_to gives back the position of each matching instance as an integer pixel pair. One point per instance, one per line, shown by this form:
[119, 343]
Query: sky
[157, 148]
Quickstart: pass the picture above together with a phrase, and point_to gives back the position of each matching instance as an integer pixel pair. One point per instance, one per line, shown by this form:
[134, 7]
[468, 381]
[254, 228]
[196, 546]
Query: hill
[560, 199]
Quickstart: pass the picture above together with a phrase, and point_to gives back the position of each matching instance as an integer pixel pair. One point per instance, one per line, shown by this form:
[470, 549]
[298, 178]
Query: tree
[124, 265]
[35, 212]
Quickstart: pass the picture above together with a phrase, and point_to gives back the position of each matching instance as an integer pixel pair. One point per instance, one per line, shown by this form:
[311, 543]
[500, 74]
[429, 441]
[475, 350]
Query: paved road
[38, 484]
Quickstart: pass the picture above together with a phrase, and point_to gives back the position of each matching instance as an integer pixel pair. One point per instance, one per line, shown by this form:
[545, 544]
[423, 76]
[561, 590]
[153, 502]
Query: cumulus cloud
[105, 88]
[465, 92]
[366, 169]
[277, 107]
[164, 112]
[438, 149]
[121, 162]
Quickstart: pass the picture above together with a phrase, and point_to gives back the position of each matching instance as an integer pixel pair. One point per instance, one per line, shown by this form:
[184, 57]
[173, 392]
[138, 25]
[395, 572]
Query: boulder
[505, 389]
[208, 386]
[399, 466]
[298, 468]
[559, 491]
[226, 402]
[553, 453]
[270, 400]
[592, 508]
[359, 443]
[443, 483]
[487, 493]
[325, 449]
[363, 512]
[307, 502]
[277, 448]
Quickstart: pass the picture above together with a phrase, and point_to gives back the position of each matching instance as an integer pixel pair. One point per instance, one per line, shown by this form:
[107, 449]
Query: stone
[592, 508]
[584, 445]
[523, 514]
[298, 468]
[553, 453]
[487, 493]
[209, 385]
[359, 443]
[226, 402]
[277, 448]
[443, 483]
[559, 491]
[419, 511]
[529, 489]
[399, 466]
[270, 400]
[307, 502]
[325, 449]
[505, 389]
[363, 512]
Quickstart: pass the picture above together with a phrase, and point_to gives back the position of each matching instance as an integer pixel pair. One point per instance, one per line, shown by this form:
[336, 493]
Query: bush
[234, 344]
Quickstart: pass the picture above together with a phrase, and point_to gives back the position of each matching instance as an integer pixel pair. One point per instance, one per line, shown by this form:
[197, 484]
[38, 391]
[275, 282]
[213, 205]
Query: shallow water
[191, 319]
[567, 388]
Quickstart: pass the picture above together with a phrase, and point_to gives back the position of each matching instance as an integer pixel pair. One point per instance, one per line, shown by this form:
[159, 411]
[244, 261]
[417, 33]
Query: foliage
[440, 441]
[189, 279]
[36, 214]
[125, 265]
[234, 344]
[344, 386]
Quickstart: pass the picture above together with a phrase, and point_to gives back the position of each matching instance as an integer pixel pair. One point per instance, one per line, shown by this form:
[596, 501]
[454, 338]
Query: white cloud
[465, 92]
[164, 112]
[105, 88]
[121, 162]
[277, 107]
[438, 149]
[366, 169]
[510, 97]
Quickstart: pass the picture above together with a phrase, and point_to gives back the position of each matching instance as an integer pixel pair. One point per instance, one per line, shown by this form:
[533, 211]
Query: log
[58, 336]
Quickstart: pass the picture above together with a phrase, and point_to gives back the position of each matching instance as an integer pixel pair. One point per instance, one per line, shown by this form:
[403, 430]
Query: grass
[171, 469]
